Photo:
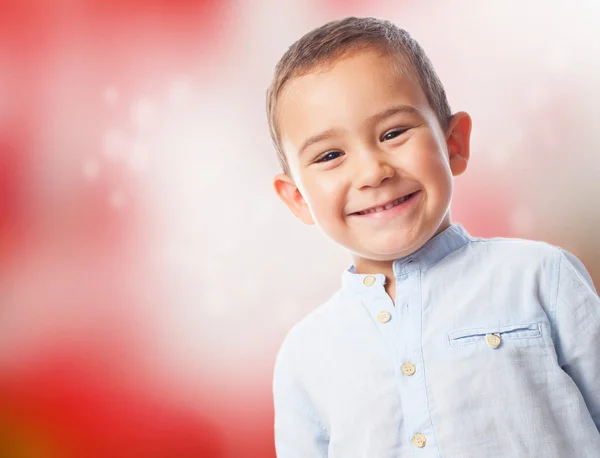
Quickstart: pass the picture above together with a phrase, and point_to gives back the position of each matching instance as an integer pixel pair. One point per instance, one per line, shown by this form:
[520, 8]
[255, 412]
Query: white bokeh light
[523, 221]
[138, 159]
[111, 96]
[288, 311]
[558, 59]
[214, 302]
[144, 114]
[114, 144]
[181, 93]
[117, 199]
[91, 169]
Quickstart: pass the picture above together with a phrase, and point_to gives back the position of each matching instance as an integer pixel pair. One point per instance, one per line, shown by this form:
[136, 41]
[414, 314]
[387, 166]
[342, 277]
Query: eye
[392, 134]
[329, 156]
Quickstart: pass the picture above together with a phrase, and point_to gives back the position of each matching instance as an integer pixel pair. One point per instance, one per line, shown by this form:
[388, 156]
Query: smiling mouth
[387, 206]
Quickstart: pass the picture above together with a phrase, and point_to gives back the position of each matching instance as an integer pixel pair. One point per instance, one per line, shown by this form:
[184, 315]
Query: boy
[438, 344]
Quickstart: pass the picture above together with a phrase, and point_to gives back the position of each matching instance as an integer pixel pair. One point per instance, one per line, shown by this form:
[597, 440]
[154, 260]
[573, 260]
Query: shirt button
[409, 369]
[493, 340]
[369, 280]
[384, 317]
[419, 440]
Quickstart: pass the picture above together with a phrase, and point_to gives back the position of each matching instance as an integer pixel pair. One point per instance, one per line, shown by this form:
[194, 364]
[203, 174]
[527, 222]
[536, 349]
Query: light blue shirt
[492, 349]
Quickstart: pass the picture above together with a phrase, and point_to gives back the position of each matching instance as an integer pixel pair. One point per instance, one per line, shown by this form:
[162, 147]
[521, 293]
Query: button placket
[419, 440]
[384, 316]
[412, 381]
[408, 369]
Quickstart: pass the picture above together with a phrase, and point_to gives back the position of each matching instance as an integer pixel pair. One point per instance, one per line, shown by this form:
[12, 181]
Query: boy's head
[360, 119]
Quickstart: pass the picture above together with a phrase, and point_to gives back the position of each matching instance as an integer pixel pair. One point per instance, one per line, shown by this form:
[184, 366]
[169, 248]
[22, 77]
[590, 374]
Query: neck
[385, 267]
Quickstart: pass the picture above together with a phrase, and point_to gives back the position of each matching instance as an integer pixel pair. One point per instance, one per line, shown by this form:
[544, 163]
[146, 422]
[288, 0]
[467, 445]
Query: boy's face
[362, 135]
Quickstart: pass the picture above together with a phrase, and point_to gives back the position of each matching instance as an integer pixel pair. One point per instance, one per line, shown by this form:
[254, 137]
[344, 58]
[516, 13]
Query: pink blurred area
[80, 294]
[147, 274]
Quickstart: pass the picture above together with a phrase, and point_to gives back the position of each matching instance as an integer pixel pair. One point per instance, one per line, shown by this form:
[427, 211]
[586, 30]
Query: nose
[372, 169]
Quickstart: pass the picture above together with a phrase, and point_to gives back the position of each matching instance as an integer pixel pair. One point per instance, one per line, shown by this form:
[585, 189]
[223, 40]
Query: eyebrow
[316, 139]
[377, 117]
[390, 112]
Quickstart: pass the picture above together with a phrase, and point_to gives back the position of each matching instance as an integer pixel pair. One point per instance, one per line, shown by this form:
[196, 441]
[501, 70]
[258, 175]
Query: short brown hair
[335, 39]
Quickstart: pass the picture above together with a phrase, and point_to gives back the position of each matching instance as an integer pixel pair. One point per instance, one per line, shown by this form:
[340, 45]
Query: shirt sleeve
[298, 429]
[577, 329]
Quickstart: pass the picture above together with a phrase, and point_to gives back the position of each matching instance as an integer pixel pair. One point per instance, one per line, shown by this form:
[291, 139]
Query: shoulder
[501, 259]
[311, 330]
[572, 272]
[515, 245]
[522, 255]
[516, 251]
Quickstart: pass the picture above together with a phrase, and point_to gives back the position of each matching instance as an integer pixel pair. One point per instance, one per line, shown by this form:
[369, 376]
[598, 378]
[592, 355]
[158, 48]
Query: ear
[290, 195]
[458, 139]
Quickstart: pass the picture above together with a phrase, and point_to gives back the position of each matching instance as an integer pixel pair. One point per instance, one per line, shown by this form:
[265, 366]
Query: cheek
[432, 162]
[325, 196]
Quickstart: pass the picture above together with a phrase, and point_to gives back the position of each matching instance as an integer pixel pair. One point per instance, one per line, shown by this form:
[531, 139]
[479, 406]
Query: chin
[388, 254]
[395, 246]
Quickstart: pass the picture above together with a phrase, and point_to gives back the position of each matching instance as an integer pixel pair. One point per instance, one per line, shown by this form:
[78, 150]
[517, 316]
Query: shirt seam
[575, 271]
[554, 303]
[437, 445]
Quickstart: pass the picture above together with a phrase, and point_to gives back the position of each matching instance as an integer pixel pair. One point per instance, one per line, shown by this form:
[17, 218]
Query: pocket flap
[513, 331]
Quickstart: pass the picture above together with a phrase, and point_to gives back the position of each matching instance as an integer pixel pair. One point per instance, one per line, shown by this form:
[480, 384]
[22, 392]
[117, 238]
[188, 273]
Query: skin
[371, 153]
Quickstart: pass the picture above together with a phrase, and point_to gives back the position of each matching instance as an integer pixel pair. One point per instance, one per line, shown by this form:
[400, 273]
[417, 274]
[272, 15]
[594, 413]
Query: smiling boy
[437, 343]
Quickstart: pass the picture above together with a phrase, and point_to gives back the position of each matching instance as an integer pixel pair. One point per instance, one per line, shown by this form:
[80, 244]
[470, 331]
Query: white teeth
[385, 207]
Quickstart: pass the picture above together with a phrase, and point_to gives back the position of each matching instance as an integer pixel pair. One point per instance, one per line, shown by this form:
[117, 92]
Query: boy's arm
[577, 329]
[298, 431]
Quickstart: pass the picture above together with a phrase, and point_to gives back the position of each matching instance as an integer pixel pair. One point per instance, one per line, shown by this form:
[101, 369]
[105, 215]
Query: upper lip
[384, 203]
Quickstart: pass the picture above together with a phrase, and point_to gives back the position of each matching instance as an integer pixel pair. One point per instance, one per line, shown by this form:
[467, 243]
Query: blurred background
[148, 273]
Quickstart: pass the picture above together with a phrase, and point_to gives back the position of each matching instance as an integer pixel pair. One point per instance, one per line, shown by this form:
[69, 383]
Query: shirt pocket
[470, 336]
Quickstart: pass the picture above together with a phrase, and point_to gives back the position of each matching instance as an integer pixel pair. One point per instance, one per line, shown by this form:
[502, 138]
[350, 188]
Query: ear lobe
[458, 139]
[290, 195]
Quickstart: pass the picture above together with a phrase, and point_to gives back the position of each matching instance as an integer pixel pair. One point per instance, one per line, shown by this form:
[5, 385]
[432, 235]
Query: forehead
[343, 95]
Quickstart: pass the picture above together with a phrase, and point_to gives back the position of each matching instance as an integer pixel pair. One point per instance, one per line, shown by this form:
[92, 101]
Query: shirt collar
[436, 248]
